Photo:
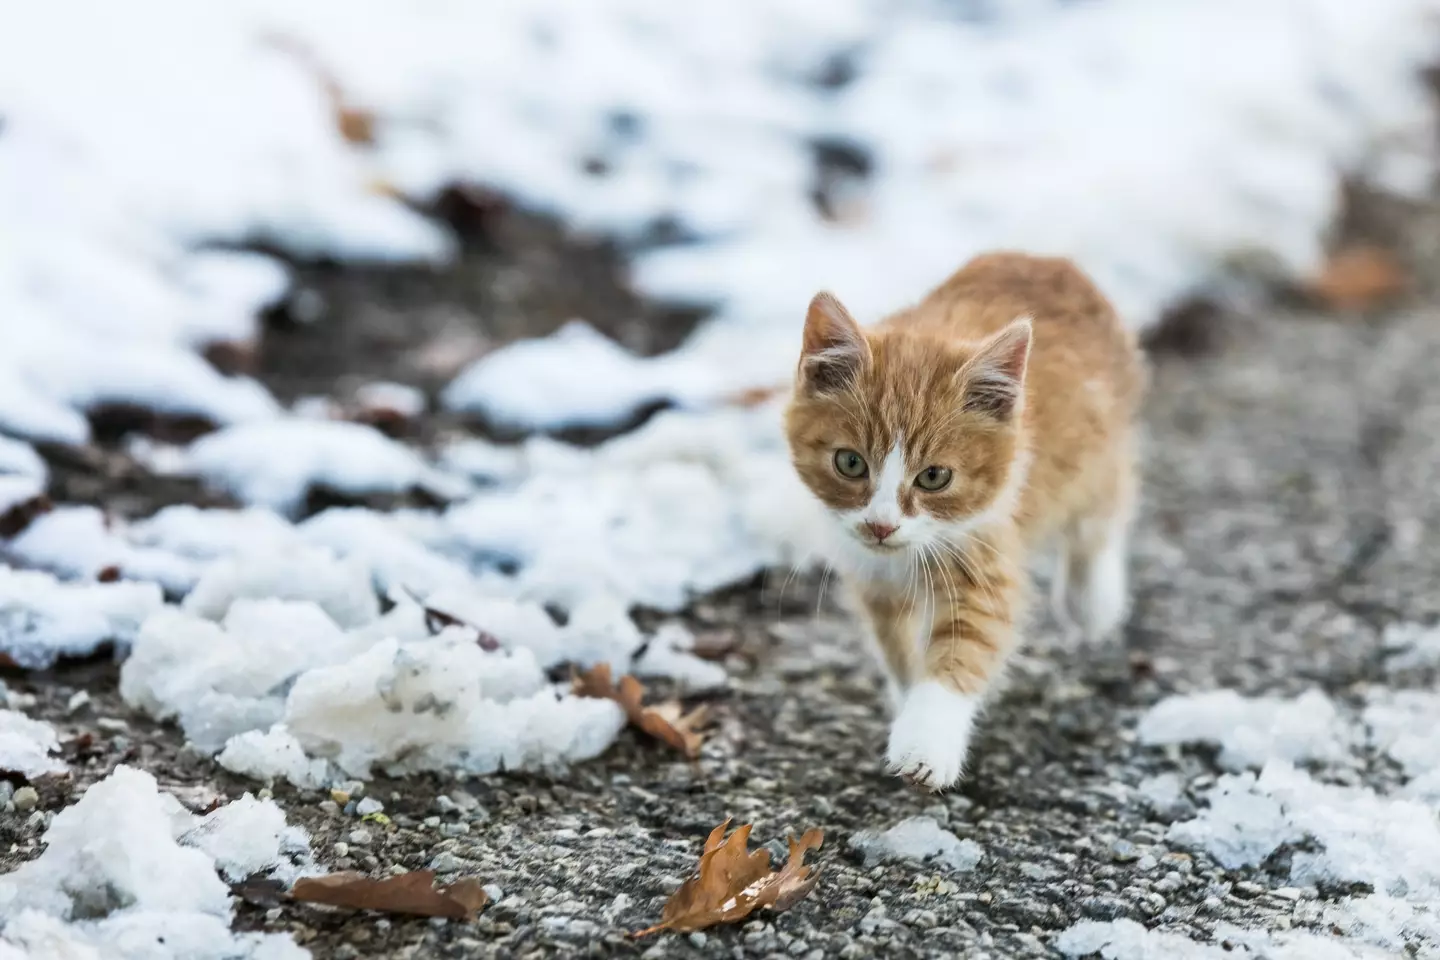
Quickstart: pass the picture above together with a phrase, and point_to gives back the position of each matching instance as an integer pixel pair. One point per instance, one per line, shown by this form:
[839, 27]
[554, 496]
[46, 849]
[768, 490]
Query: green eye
[850, 464]
[933, 478]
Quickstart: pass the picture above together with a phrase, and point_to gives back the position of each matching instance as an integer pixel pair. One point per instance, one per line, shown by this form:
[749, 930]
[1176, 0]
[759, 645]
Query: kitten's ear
[834, 347]
[995, 377]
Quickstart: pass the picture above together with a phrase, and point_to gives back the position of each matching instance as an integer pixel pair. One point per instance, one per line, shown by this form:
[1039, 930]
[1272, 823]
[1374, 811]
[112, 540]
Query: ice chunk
[1128, 940]
[342, 588]
[26, 746]
[274, 755]
[42, 619]
[128, 873]
[1391, 844]
[918, 838]
[1406, 725]
[444, 704]
[116, 849]
[274, 463]
[247, 837]
[228, 678]
[1250, 731]
[1410, 646]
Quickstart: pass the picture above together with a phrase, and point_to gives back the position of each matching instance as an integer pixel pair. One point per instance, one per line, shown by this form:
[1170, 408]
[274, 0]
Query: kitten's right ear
[834, 347]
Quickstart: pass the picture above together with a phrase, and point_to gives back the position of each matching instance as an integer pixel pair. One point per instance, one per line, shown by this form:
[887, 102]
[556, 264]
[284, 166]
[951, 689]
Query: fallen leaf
[667, 722]
[107, 574]
[409, 893]
[356, 125]
[731, 882]
[1359, 278]
[14, 521]
[437, 620]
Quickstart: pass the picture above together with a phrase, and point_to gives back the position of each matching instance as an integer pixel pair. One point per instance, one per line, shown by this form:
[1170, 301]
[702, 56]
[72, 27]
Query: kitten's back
[1084, 381]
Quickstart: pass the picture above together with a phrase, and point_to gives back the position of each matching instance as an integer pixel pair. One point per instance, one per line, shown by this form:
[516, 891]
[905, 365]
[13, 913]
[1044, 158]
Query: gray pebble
[26, 798]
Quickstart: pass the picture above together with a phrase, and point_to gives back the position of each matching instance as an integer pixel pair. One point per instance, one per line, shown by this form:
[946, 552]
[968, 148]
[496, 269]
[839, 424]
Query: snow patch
[127, 869]
[26, 746]
[1250, 731]
[918, 838]
[274, 463]
[43, 619]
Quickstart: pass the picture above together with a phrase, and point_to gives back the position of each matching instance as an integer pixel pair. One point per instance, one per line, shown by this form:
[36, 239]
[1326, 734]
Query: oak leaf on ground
[411, 893]
[667, 722]
[1359, 278]
[733, 882]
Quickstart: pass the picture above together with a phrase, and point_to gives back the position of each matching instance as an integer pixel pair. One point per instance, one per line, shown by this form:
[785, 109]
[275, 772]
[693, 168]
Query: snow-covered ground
[137, 154]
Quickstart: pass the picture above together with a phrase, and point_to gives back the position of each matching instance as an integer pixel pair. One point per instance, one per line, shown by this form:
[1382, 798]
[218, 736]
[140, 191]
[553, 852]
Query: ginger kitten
[952, 441]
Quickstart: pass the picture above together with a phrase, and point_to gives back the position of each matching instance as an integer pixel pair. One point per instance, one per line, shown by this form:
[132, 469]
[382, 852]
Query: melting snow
[43, 619]
[129, 872]
[918, 838]
[26, 746]
[1249, 731]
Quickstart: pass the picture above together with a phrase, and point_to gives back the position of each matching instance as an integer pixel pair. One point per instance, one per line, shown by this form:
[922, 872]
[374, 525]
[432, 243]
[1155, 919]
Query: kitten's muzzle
[880, 531]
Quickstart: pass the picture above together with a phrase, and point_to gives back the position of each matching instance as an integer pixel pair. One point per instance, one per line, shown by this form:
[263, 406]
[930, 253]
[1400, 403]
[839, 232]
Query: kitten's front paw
[931, 736]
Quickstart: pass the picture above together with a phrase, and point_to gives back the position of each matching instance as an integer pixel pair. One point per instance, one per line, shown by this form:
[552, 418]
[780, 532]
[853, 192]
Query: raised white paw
[931, 736]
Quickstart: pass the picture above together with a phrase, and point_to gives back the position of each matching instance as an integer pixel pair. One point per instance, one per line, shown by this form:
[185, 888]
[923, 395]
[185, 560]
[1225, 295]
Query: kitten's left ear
[834, 347]
[995, 377]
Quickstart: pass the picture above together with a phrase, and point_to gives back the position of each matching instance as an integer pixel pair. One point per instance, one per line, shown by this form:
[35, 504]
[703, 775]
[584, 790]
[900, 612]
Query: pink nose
[880, 530]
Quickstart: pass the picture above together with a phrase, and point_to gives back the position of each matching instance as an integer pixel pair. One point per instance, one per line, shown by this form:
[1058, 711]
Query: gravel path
[1289, 480]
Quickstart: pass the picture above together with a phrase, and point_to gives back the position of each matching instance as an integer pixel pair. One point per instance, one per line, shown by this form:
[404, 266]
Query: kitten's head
[908, 437]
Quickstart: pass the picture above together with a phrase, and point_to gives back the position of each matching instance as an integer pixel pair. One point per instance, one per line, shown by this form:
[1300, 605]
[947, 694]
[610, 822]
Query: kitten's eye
[850, 464]
[933, 478]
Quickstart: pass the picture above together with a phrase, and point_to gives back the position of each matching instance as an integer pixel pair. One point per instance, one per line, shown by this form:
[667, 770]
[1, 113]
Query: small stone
[1247, 889]
[1123, 851]
[698, 940]
[7, 791]
[797, 948]
[354, 788]
[1146, 863]
[1286, 893]
[454, 829]
[112, 724]
[447, 862]
[368, 806]
[431, 822]
[360, 837]
[77, 701]
[464, 800]
[665, 883]
[339, 797]
[341, 849]
[329, 807]
[822, 807]
[445, 805]
[25, 799]
[493, 891]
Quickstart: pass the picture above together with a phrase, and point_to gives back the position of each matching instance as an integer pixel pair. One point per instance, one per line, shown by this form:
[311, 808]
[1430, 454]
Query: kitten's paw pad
[931, 736]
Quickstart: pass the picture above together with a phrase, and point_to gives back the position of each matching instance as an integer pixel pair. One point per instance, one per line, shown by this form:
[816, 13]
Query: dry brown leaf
[356, 125]
[409, 893]
[667, 722]
[1359, 278]
[732, 882]
[14, 521]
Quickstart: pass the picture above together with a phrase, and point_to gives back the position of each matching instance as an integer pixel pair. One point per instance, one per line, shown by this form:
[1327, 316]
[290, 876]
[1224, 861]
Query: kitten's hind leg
[1097, 589]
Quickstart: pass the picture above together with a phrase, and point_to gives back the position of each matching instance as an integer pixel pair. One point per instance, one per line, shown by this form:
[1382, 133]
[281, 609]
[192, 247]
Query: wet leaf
[356, 125]
[409, 893]
[667, 722]
[14, 520]
[733, 882]
[1360, 278]
[437, 620]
